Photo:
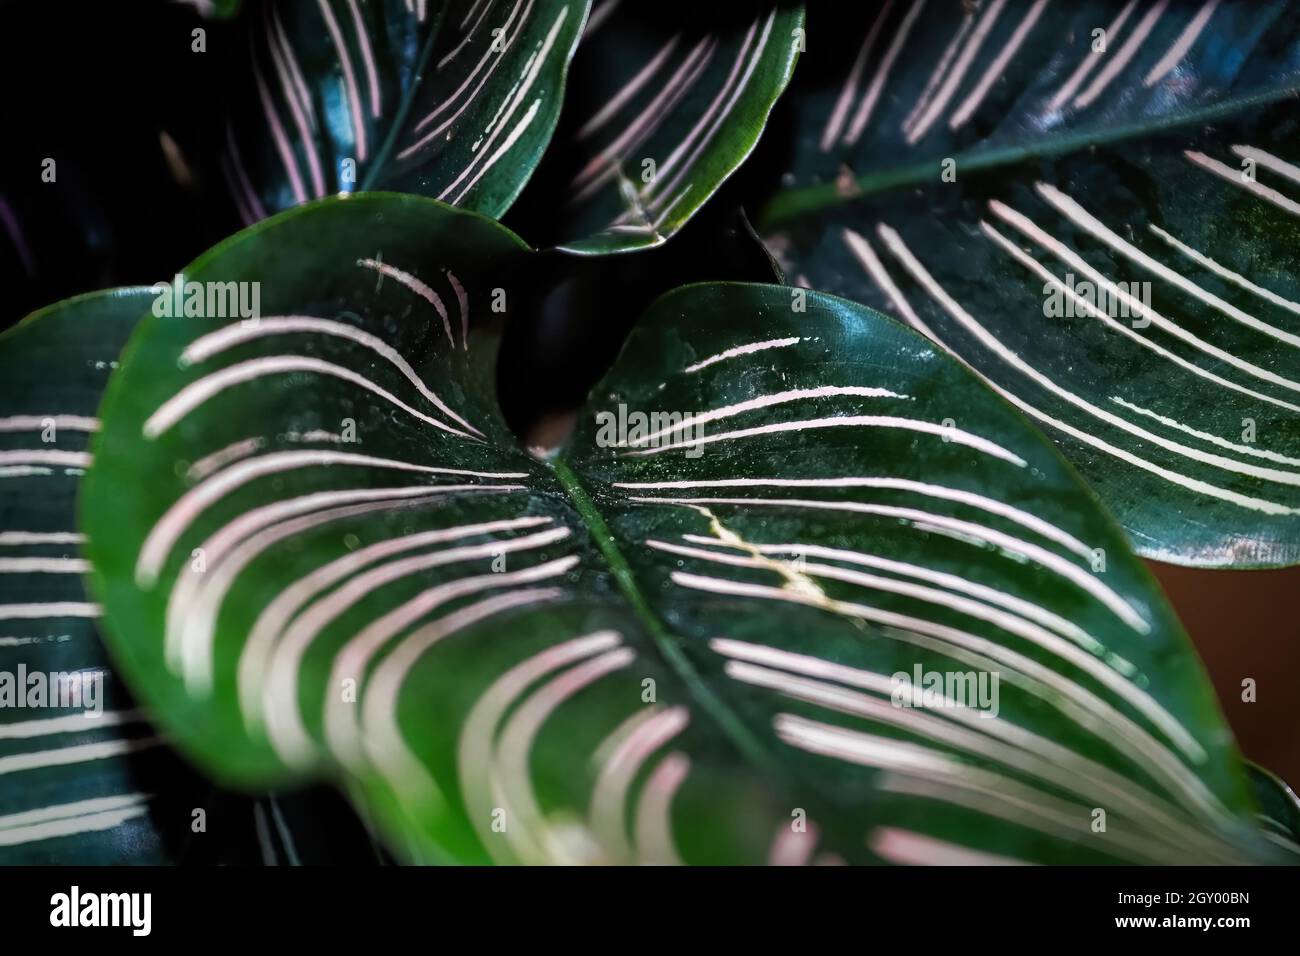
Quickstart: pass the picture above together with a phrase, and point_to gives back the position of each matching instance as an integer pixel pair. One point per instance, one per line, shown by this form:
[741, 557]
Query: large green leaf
[453, 99]
[1118, 269]
[664, 105]
[322, 553]
[91, 782]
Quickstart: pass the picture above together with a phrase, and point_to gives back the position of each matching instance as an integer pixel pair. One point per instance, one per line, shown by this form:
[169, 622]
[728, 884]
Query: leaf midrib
[375, 172]
[788, 205]
[741, 736]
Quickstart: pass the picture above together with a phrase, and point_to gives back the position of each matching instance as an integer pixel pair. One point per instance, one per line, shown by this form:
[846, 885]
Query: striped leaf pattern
[76, 788]
[66, 779]
[665, 104]
[486, 111]
[898, 86]
[452, 99]
[1068, 226]
[676, 640]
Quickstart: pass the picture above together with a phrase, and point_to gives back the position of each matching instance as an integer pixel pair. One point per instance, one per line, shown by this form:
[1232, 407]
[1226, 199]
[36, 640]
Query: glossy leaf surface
[678, 639]
[455, 99]
[664, 105]
[1106, 237]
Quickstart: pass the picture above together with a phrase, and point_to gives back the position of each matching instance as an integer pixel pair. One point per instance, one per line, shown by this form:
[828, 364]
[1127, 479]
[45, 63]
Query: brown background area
[1247, 624]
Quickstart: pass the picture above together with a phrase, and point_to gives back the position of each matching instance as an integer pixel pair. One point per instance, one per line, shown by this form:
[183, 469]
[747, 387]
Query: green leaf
[664, 106]
[1120, 268]
[85, 779]
[46, 622]
[450, 99]
[897, 87]
[1279, 807]
[482, 118]
[322, 554]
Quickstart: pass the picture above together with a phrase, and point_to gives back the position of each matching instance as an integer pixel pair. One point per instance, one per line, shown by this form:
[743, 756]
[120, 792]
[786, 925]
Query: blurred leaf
[91, 782]
[1279, 807]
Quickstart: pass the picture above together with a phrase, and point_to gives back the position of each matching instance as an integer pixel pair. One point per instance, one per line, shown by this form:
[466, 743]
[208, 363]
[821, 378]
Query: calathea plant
[801, 584]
